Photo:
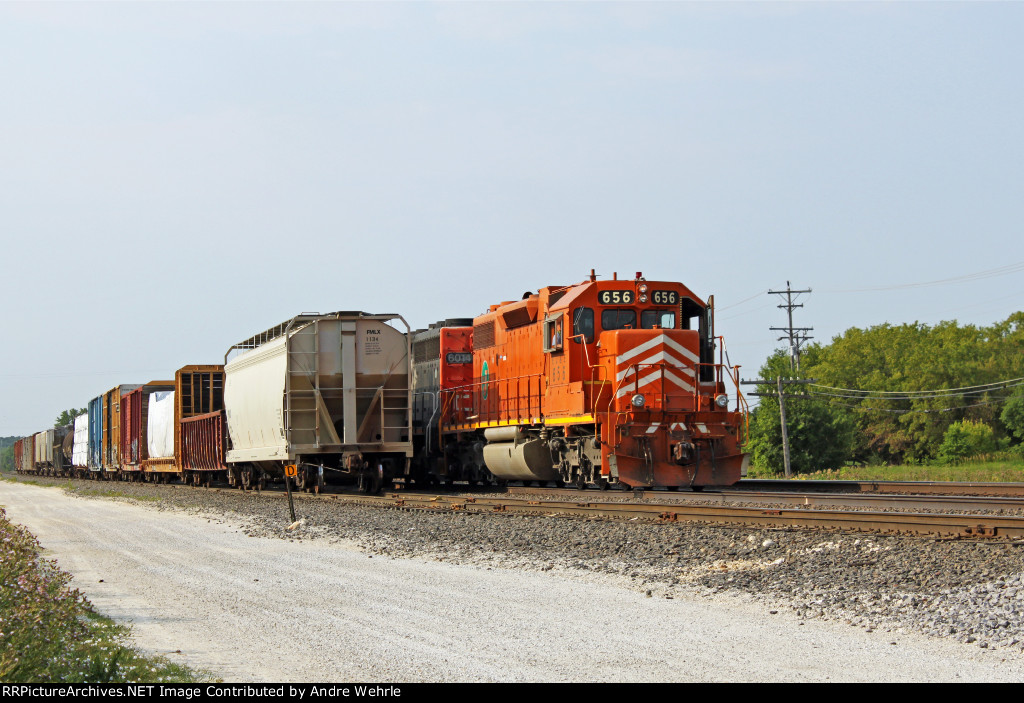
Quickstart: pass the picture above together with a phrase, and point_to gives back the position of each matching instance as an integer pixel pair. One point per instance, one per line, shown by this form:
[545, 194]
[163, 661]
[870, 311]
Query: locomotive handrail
[492, 405]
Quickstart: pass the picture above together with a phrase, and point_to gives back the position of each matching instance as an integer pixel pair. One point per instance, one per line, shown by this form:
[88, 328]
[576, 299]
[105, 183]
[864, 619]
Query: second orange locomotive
[600, 383]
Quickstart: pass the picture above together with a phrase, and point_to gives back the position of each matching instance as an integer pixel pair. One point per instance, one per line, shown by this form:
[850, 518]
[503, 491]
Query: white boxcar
[322, 390]
[44, 448]
[80, 451]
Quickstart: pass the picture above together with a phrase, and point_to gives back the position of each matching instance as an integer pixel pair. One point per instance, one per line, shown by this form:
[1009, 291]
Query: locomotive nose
[653, 369]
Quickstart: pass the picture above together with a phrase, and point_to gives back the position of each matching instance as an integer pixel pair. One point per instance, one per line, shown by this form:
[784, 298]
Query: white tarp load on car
[161, 425]
[80, 450]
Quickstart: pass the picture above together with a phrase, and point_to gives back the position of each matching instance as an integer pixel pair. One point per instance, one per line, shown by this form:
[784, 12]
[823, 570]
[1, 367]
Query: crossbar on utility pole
[794, 334]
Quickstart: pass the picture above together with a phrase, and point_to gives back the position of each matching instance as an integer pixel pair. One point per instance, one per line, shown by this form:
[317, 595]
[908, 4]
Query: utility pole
[795, 335]
[782, 409]
[785, 432]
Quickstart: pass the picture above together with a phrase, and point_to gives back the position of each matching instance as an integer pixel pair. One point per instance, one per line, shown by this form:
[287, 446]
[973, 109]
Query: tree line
[896, 394]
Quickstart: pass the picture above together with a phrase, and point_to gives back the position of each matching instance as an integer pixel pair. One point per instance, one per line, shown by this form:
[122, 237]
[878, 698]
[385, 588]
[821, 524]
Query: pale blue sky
[177, 176]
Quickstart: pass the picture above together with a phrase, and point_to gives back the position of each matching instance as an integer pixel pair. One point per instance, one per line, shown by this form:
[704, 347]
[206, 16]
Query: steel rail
[932, 524]
[941, 525]
[874, 500]
[909, 487]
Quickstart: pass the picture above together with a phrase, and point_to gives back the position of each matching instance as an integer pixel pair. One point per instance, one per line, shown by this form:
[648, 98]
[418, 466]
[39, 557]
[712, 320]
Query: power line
[923, 394]
[976, 276]
[745, 300]
[926, 411]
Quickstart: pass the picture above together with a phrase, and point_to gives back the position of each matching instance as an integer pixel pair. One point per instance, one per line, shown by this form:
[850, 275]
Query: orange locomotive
[600, 383]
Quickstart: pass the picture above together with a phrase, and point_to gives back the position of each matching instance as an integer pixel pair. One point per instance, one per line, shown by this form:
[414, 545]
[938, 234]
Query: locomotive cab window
[691, 315]
[553, 334]
[697, 317]
[618, 320]
[662, 319]
[583, 325]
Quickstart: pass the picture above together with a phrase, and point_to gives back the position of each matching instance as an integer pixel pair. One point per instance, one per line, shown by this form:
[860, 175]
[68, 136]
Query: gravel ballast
[955, 591]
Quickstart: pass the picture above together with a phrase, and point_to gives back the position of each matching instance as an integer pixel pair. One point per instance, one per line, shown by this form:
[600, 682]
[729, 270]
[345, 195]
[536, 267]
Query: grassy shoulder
[99, 489]
[50, 632]
[1002, 469]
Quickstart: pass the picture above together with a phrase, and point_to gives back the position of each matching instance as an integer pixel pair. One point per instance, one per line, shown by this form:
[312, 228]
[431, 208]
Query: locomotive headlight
[722, 400]
[643, 288]
[638, 400]
[643, 298]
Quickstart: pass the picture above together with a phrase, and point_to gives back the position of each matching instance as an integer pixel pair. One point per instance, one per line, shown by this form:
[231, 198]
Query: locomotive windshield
[616, 319]
[662, 319]
[583, 325]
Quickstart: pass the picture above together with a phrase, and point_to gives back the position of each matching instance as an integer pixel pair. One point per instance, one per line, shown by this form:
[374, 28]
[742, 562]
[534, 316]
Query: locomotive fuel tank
[512, 455]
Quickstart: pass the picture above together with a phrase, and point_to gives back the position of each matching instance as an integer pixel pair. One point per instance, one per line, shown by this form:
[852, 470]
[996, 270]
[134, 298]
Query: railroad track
[906, 487]
[718, 508]
[898, 501]
[945, 524]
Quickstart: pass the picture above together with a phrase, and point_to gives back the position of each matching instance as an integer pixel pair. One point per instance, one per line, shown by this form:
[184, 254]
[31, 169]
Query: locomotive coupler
[682, 452]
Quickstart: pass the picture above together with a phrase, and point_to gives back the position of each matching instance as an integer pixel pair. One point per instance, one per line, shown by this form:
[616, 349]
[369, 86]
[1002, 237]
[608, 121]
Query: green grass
[981, 470]
[50, 632]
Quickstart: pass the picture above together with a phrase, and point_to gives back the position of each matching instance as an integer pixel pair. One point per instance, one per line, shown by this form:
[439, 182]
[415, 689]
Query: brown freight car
[198, 450]
[112, 426]
[134, 425]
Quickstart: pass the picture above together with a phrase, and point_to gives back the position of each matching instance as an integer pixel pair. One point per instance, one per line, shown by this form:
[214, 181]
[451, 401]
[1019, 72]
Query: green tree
[965, 439]
[911, 358]
[1012, 416]
[821, 436]
[67, 417]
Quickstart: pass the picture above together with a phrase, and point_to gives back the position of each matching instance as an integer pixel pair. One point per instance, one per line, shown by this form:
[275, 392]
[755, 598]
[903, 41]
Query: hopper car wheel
[370, 483]
[246, 479]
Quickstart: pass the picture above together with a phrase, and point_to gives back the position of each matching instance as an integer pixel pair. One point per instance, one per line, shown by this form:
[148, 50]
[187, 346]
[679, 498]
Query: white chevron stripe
[650, 378]
[672, 344]
[649, 344]
[653, 359]
[655, 341]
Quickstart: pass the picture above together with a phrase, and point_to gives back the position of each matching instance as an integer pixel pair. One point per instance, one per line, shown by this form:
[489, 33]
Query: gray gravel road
[251, 607]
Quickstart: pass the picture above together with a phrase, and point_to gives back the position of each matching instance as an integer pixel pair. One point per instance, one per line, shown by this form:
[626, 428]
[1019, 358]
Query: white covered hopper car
[327, 394]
